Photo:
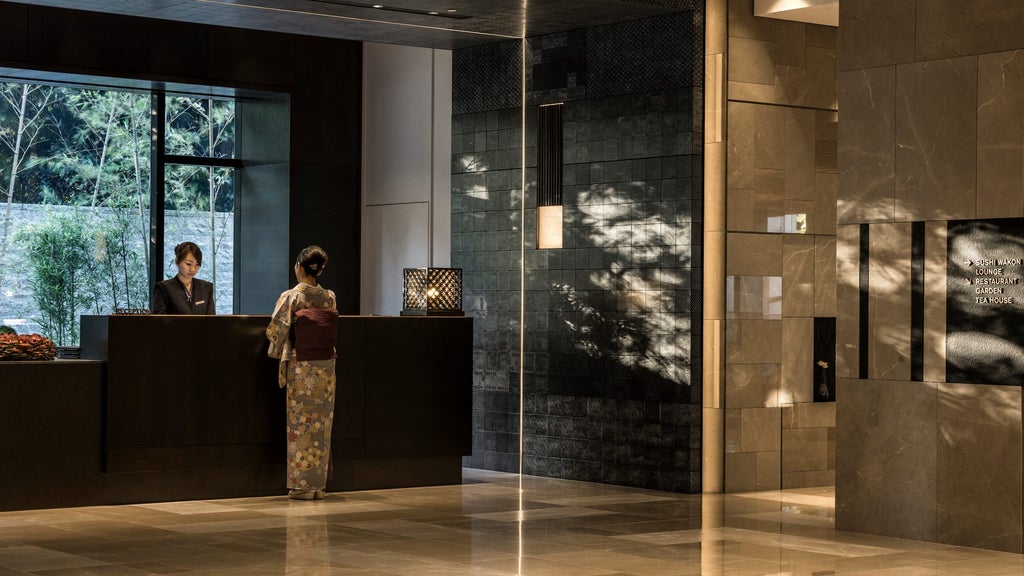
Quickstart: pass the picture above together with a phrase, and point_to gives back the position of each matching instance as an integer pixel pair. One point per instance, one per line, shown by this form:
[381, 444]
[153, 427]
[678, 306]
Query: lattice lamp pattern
[432, 292]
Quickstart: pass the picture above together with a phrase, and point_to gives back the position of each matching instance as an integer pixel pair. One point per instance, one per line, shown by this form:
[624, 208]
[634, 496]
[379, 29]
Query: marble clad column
[867, 146]
[936, 139]
[1001, 134]
[886, 450]
[889, 307]
[980, 466]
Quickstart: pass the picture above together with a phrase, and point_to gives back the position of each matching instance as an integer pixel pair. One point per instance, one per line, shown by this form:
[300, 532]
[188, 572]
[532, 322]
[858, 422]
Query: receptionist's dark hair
[313, 260]
[183, 250]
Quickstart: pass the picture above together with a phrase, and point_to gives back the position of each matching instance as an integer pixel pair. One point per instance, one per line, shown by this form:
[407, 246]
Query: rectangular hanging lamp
[549, 176]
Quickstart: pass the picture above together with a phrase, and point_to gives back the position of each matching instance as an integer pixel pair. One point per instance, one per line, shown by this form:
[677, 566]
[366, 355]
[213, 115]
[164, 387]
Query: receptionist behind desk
[185, 294]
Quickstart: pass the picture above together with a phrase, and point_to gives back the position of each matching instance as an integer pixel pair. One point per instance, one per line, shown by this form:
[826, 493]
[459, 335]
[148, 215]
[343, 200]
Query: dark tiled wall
[611, 366]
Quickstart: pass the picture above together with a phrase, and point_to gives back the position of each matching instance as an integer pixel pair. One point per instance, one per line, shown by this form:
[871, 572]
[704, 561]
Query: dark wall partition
[307, 192]
[611, 370]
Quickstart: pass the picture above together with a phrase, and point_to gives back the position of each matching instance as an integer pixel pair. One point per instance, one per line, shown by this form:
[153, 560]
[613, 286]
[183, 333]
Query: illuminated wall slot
[549, 176]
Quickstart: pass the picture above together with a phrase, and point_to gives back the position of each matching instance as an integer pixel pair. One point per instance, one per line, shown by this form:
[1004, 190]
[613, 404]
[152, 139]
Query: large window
[76, 183]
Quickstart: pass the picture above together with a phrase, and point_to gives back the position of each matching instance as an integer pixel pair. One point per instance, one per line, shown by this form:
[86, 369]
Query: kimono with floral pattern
[310, 390]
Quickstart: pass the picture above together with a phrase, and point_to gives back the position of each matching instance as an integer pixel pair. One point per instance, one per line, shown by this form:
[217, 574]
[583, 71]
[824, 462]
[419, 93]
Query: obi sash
[316, 333]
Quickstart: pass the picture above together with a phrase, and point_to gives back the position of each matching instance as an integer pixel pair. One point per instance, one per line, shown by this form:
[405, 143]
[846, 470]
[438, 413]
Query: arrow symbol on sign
[968, 263]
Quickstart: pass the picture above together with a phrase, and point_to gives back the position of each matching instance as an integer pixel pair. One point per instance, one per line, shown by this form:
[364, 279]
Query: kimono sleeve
[280, 326]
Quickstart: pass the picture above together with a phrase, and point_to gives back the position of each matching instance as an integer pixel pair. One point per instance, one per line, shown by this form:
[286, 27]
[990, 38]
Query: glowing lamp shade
[549, 227]
[432, 292]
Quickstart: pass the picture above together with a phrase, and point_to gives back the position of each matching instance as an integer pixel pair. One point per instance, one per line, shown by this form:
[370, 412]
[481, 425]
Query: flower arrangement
[823, 383]
[26, 347]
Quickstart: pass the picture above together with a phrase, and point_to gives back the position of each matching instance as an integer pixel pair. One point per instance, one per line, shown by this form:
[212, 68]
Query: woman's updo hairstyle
[183, 250]
[313, 260]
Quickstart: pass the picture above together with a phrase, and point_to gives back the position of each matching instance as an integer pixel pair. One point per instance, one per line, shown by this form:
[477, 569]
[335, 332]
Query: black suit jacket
[169, 298]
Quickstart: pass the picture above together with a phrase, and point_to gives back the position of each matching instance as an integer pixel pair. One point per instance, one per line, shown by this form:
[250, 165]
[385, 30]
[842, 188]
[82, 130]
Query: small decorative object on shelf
[823, 380]
[432, 292]
[132, 311]
[26, 347]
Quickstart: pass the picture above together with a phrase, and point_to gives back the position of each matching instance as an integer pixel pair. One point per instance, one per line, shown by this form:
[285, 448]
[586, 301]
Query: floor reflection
[486, 526]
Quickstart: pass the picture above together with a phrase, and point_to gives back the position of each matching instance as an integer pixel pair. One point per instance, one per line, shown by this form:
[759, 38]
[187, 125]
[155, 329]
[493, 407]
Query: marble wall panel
[848, 301]
[804, 449]
[753, 296]
[753, 255]
[740, 472]
[769, 471]
[769, 197]
[935, 302]
[814, 415]
[753, 341]
[808, 479]
[740, 209]
[886, 458]
[827, 184]
[889, 302]
[951, 28]
[866, 155]
[876, 33]
[752, 385]
[936, 139]
[743, 23]
[740, 133]
[1001, 135]
[771, 138]
[790, 86]
[979, 466]
[821, 78]
[824, 276]
[761, 429]
[791, 43]
[797, 275]
[799, 142]
[826, 139]
[750, 92]
[751, 61]
[797, 360]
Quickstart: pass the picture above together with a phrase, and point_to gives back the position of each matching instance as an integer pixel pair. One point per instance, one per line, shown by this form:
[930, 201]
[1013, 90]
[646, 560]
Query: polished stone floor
[484, 527]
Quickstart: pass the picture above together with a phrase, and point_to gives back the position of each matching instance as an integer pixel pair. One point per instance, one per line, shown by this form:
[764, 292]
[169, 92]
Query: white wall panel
[395, 236]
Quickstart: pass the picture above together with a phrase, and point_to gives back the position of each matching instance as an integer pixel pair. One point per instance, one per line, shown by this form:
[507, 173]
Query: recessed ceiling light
[452, 10]
[432, 12]
[378, 5]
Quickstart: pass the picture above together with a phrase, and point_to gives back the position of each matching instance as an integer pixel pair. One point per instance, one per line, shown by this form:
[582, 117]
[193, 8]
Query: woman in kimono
[303, 332]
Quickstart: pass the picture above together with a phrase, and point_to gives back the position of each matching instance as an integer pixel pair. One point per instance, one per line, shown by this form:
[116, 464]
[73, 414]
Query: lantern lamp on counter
[432, 292]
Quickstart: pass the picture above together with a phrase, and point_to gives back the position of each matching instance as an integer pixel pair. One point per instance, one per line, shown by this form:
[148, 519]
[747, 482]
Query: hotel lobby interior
[776, 330]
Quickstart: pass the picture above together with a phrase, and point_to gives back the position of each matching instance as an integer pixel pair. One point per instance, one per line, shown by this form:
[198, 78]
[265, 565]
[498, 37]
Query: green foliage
[60, 254]
[4, 329]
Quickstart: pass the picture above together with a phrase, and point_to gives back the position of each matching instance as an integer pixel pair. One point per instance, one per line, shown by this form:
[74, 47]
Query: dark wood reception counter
[188, 407]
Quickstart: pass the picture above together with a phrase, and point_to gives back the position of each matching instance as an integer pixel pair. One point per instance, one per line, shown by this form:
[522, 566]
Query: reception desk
[188, 407]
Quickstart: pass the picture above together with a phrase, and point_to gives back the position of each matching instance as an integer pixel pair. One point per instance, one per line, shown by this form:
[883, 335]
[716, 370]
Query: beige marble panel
[798, 217]
[935, 302]
[771, 140]
[762, 429]
[751, 61]
[790, 43]
[826, 140]
[743, 23]
[753, 341]
[950, 28]
[714, 363]
[821, 78]
[848, 301]
[769, 207]
[714, 102]
[980, 484]
[799, 152]
[797, 275]
[740, 158]
[867, 139]
[886, 458]
[753, 296]
[804, 449]
[740, 211]
[790, 85]
[797, 360]
[769, 470]
[715, 190]
[936, 139]
[876, 33]
[733, 430]
[808, 479]
[824, 275]
[889, 302]
[1001, 135]
[741, 472]
[814, 415]
[751, 92]
[753, 254]
[821, 36]
[752, 385]
[827, 184]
